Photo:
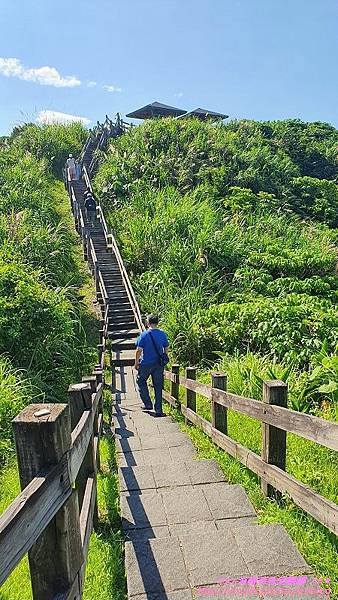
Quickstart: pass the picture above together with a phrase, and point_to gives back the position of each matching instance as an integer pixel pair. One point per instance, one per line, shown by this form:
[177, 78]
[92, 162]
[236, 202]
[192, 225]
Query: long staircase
[120, 313]
[189, 533]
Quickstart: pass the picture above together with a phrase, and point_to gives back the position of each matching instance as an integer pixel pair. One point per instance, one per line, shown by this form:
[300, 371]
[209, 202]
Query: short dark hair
[152, 319]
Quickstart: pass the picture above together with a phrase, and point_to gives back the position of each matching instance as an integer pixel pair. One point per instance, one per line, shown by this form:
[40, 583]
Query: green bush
[227, 232]
[40, 313]
[51, 143]
[290, 328]
[317, 198]
[15, 393]
[39, 328]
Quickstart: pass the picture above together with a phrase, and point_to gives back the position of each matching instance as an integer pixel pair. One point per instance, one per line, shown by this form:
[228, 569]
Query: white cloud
[91, 84]
[52, 116]
[112, 88]
[179, 95]
[12, 67]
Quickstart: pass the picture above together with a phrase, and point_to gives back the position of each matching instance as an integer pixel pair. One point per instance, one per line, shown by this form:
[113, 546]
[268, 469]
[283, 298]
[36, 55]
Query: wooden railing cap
[76, 387]
[34, 413]
[275, 383]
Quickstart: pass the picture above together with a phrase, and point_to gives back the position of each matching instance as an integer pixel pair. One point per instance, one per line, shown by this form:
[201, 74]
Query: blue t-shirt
[149, 354]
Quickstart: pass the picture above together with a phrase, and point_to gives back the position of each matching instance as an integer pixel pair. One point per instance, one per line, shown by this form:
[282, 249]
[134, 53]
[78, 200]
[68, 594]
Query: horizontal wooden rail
[29, 514]
[87, 512]
[86, 178]
[27, 517]
[92, 252]
[312, 428]
[271, 415]
[103, 290]
[323, 510]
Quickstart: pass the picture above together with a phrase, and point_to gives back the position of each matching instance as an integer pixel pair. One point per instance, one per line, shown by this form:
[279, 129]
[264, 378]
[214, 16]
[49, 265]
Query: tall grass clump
[42, 336]
[229, 232]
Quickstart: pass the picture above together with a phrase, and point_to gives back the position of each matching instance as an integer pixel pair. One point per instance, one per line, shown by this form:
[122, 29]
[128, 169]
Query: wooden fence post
[174, 385]
[219, 414]
[97, 279]
[85, 247]
[80, 399]
[42, 437]
[274, 439]
[190, 373]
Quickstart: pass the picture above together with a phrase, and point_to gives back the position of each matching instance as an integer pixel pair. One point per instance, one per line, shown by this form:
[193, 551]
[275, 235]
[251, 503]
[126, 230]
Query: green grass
[17, 586]
[306, 461]
[105, 567]
[105, 573]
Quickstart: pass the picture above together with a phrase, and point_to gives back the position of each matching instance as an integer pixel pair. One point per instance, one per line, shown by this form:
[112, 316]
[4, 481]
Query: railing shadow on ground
[148, 568]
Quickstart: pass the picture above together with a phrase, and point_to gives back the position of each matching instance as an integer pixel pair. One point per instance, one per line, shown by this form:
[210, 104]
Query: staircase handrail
[129, 287]
[109, 236]
[86, 178]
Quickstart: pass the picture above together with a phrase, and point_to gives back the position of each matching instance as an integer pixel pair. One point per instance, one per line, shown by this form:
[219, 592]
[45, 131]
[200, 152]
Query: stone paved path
[185, 526]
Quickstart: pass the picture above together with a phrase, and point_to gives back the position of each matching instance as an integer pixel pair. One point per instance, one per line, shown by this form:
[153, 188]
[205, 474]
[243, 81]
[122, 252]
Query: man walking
[151, 358]
[90, 206]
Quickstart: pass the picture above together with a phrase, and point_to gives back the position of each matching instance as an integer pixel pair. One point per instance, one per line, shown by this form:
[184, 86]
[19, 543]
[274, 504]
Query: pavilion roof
[156, 109]
[204, 114]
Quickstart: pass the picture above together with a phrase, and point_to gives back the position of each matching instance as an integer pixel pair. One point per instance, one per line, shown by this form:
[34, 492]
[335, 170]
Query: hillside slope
[229, 232]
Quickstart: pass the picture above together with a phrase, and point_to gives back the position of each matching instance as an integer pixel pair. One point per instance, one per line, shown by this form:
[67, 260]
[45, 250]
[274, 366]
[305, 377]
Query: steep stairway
[122, 326]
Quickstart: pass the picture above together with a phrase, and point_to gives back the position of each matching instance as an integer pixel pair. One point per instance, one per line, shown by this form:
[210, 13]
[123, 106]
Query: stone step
[147, 477]
[123, 334]
[117, 303]
[122, 344]
[115, 298]
[122, 316]
[114, 326]
[120, 310]
[177, 566]
[123, 358]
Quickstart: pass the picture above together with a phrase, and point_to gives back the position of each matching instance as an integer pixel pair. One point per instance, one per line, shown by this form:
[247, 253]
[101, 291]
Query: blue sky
[260, 59]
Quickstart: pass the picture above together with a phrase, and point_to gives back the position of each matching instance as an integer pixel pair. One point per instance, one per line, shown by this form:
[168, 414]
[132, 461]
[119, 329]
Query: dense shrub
[226, 232]
[15, 393]
[50, 143]
[40, 313]
[288, 328]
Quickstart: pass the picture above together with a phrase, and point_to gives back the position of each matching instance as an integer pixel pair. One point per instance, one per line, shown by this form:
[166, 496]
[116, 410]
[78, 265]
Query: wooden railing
[57, 449]
[113, 247]
[127, 282]
[276, 421]
[103, 132]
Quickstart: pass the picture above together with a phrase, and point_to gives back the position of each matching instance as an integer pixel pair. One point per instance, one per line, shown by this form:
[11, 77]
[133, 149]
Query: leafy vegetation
[43, 345]
[229, 232]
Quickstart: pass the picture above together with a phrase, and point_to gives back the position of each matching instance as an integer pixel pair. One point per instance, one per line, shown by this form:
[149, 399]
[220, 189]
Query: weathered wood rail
[276, 421]
[58, 457]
